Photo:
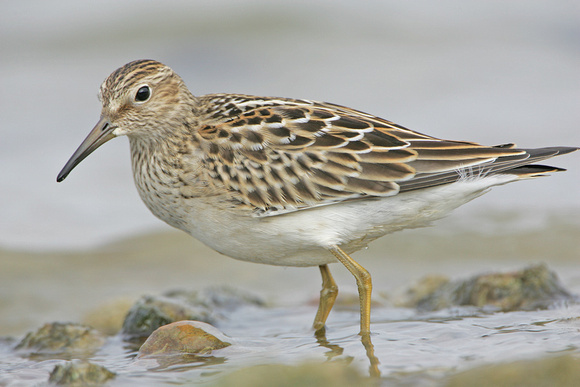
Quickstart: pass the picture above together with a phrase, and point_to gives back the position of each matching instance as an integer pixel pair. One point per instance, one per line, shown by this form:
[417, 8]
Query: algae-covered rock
[533, 288]
[183, 337]
[562, 371]
[80, 373]
[61, 339]
[209, 306]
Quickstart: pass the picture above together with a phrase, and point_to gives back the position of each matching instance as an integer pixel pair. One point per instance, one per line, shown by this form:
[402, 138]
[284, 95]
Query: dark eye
[143, 94]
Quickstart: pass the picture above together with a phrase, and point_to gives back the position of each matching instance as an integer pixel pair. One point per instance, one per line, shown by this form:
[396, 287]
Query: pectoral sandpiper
[290, 182]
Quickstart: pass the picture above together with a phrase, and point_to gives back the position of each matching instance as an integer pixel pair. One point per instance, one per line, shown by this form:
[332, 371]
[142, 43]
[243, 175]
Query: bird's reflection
[337, 350]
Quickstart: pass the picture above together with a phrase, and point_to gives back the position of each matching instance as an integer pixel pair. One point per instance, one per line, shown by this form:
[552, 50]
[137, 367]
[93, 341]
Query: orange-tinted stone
[183, 337]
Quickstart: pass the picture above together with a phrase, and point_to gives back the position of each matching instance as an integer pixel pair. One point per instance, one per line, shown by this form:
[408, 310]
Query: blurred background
[487, 71]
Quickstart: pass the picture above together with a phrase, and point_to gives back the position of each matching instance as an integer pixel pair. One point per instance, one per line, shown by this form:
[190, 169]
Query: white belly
[301, 238]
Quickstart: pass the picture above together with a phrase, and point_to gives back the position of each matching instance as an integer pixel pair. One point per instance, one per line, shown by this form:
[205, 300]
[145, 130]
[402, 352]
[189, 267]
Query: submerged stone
[183, 337]
[209, 306]
[61, 339]
[533, 288]
[80, 373]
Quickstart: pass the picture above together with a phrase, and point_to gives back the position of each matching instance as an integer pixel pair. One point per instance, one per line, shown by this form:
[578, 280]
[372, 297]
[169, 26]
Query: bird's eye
[143, 94]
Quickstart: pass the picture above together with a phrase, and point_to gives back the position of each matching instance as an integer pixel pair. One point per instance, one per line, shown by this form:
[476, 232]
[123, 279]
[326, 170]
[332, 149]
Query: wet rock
[562, 371]
[80, 373]
[533, 288]
[62, 340]
[183, 337]
[108, 318]
[152, 312]
[209, 306]
[336, 374]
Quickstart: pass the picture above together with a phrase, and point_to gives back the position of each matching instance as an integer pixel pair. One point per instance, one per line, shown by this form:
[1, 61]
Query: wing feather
[279, 155]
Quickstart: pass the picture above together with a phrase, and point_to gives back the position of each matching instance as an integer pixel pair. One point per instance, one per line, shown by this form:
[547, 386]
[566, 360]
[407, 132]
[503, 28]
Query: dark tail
[521, 165]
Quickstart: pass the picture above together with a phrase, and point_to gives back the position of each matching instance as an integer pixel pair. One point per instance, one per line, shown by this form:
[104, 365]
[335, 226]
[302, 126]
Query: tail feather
[520, 165]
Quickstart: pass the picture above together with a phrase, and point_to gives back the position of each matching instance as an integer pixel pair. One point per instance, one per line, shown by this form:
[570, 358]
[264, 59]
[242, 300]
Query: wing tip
[533, 170]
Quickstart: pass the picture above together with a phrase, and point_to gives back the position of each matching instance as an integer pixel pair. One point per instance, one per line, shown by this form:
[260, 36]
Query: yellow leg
[327, 298]
[364, 283]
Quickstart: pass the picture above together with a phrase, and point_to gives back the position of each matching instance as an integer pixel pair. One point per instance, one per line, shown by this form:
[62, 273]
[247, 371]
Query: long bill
[101, 133]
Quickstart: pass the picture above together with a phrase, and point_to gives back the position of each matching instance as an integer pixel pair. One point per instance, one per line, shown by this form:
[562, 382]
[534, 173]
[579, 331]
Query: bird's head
[140, 100]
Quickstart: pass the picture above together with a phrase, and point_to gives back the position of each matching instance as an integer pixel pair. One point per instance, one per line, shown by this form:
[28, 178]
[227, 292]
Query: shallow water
[413, 348]
[421, 348]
